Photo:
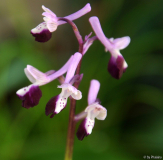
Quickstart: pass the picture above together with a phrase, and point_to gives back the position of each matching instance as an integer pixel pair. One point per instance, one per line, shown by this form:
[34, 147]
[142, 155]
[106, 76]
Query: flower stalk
[72, 122]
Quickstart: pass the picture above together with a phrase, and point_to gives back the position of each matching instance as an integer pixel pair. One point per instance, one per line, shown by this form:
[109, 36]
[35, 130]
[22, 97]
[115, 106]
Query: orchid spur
[43, 31]
[117, 64]
[58, 103]
[92, 111]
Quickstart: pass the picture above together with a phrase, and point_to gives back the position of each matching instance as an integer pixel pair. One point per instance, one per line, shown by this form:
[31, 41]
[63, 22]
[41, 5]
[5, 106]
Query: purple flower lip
[81, 133]
[43, 36]
[116, 67]
[50, 106]
[30, 96]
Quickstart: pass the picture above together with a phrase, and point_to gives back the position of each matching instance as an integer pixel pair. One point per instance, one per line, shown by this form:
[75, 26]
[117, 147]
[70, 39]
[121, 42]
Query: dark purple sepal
[43, 36]
[81, 132]
[31, 98]
[51, 105]
[115, 67]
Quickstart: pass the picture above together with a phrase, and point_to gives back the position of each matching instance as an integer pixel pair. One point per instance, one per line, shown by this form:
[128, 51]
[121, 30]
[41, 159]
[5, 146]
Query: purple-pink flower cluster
[117, 65]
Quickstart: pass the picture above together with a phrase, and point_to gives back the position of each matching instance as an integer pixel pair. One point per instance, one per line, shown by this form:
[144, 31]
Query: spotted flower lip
[43, 32]
[93, 110]
[57, 103]
[52, 103]
[117, 64]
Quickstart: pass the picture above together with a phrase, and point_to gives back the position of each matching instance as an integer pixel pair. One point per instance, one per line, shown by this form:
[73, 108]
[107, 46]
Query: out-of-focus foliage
[133, 127]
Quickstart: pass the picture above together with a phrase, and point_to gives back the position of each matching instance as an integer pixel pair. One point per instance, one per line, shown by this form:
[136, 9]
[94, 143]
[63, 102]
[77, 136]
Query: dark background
[134, 124]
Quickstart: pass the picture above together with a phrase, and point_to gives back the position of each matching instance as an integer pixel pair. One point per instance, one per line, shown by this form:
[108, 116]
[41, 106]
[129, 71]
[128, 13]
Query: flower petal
[50, 20]
[77, 95]
[48, 73]
[41, 32]
[36, 76]
[47, 10]
[29, 76]
[117, 66]
[30, 96]
[95, 110]
[69, 90]
[93, 91]
[81, 132]
[121, 43]
[55, 105]
[51, 105]
[52, 26]
[72, 67]
[95, 23]
[78, 14]
[85, 128]
[61, 71]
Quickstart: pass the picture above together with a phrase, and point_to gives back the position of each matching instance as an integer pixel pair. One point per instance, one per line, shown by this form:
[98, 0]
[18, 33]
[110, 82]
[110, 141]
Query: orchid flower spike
[43, 31]
[58, 103]
[93, 110]
[117, 64]
[31, 94]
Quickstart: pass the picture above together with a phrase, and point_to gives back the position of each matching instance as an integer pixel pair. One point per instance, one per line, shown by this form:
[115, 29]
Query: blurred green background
[134, 124]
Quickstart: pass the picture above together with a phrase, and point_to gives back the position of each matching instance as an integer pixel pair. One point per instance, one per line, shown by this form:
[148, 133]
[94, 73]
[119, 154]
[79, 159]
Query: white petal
[39, 28]
[47, 10]
[77, 95]
[89, 125]
[125, 65]
[23, 91]
[36, 76]
[29, 76]
[52, 26]
[69, 90]
[60, 104]
[95, 110]
[121, 43]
